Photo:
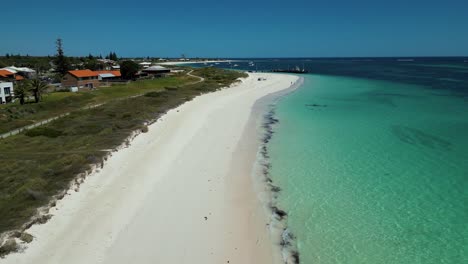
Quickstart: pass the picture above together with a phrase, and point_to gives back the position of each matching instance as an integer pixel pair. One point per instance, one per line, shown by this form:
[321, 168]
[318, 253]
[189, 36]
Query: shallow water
[371, 155]
[373, 171]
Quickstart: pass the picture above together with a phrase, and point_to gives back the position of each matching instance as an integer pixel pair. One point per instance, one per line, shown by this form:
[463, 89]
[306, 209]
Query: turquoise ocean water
[373, 171]
[371, 155]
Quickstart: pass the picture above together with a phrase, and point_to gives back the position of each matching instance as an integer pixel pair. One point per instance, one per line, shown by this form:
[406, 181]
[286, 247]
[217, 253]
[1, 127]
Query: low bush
[43, 131]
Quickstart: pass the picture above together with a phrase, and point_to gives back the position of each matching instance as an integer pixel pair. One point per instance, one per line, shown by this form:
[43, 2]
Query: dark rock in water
[25, 237]
[16, 234]
[42, 219]
[420, 138]
[285, 243]
[9, 246]
[275, 188]
[295, 257]
[280, 213]
[315, 105]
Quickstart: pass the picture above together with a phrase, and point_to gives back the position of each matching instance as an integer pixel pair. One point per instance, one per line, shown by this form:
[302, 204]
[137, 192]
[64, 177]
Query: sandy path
[181, 193]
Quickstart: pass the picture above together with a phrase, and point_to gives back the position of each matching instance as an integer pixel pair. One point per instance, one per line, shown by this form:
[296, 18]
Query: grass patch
[42, 162]
[13, 116]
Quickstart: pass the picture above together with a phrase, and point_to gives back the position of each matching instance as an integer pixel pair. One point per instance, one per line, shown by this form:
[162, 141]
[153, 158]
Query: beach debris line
[278, 216]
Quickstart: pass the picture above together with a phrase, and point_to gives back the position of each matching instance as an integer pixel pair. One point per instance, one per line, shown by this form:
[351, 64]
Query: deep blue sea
[371, 156]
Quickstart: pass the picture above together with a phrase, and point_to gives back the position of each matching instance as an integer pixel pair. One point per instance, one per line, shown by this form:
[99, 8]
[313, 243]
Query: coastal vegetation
[38, 166]
[13, 116]
[128, 69]
[34, 87]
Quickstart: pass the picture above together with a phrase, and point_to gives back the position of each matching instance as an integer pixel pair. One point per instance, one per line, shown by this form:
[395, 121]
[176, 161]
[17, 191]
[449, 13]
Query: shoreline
[177, 189]
[285, 249]
[260, 194]
[176, 63]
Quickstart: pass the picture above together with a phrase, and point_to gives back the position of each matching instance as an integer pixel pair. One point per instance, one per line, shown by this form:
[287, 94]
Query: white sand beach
[181, 193]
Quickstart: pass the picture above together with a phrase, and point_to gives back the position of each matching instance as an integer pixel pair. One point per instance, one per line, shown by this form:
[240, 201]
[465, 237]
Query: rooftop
[114, 73]
[83, 73]
[19, 69]
[6, 73]
[155, 68]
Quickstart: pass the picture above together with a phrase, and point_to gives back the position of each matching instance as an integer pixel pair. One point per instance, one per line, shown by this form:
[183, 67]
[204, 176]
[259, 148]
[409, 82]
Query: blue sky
[209, 28]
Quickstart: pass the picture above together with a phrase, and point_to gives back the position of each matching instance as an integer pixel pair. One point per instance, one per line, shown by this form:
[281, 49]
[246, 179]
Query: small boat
[235, 65]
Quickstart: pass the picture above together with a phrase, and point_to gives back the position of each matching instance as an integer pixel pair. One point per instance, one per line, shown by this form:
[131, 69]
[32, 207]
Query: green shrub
[157, 94]
[43, 131]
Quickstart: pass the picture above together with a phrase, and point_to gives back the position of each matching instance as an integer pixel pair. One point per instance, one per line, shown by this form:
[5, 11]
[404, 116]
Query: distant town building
[22, 71]
[81, 79]
[145, 64]
[92, 79]
[157, 71]
[108, 75]
[107, 64]
[10, 75]
[6, 92]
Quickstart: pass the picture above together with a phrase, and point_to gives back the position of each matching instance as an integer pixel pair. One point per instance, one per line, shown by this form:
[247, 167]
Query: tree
[38, 88]
[22, 91]
[42, 66]
[93, 65]
[128, 69]
[61, 61]
[112, 56]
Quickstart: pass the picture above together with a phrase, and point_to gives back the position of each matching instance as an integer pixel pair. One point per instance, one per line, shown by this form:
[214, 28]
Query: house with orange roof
[81, 79]
[8, 75]
[24, 72]
[8, 78]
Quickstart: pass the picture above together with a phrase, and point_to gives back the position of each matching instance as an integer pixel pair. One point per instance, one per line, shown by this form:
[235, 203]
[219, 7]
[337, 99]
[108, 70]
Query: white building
[145, 64]
[25, 71]
[6, 92]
